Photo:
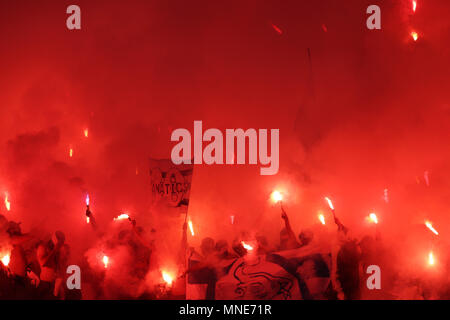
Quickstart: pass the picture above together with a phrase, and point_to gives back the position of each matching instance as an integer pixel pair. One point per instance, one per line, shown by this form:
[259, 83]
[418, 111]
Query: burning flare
[430, 226]
[431, 260]
[5, 259]
[86, 132]
[105, 261]
[71, 152]
[246, 246]
[373, 218]
[276, 196]
[87, 200]
[321, 218]
[414, 5]
[7, 203]
[191, 227]
[414, 35]
[123, 216]
[329, 203]
[167, 278]
[88, 220]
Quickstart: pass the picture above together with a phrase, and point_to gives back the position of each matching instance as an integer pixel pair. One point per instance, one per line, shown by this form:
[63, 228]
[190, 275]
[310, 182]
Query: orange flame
[88, 220]
[7, 203]
[105, 261]
[329, 203]
[71, 152]
[246, 246]
[414, 35]
[167, 278]
[321, 218]
[123, 216]
[276, 196]
[191, 227]
[86, 132]
[430, 226]
[5, 259]
[373, 217]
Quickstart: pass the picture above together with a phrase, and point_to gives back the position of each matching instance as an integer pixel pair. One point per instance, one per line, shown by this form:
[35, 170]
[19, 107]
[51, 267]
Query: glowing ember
[431, 260]
[123, 216]
[277, 29]
[373, 218]
[276, 196]
[414, 35]
[5, 259]
[167, 278]
[71, 152]
[430, 226]
[321, 218]
[246, 246]
[7, 203]
[414, 5]
[329, 203]
[191, 227]
[86, 132]
[105, 261]
[427, 178]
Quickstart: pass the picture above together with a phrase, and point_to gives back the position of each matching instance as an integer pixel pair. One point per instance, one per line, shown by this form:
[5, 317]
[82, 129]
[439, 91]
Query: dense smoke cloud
[367, 111]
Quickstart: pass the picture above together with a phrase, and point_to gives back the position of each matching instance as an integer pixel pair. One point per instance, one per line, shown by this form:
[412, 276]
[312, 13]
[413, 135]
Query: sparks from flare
[191, 227]
[105, 261]
[321, 218]
[430, 226]
[7, 203]
[167, 278]
[276, 196]
[330, 204]
[373, 218]
[123, 216]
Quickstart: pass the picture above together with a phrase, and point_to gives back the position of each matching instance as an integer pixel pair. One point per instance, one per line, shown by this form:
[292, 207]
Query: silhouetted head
[207, 246]
[305, 237]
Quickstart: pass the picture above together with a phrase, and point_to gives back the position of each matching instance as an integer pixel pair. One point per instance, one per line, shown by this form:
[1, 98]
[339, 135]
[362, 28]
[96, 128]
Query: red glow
[7, 203]
[105, 261]
[246, 246]
[191, 227]
[430, 226]
[276, 196]
[330, 204]
[123, 216]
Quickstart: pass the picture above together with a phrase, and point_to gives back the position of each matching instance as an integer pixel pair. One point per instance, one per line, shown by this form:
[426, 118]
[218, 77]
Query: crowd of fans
[36, 269]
